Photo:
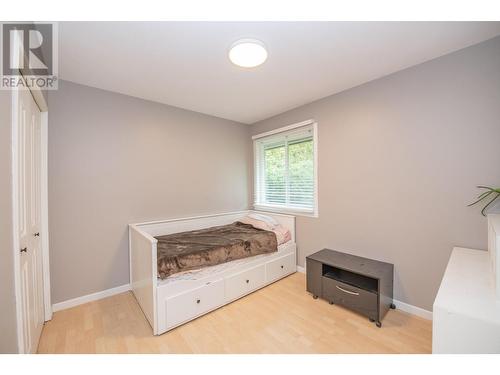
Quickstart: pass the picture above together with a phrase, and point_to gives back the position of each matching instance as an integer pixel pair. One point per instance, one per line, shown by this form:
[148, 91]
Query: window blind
[285, 171]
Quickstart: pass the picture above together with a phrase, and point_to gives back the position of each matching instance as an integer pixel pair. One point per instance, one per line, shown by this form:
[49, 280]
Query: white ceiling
[185, 64]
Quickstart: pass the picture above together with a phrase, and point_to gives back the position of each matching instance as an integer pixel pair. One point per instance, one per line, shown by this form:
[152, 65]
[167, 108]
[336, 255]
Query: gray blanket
[207, 247]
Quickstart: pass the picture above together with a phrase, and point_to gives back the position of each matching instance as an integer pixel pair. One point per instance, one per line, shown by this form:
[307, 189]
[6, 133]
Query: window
[285, 169]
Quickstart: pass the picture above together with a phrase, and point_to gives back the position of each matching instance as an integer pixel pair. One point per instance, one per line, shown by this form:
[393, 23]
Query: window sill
[285, 210]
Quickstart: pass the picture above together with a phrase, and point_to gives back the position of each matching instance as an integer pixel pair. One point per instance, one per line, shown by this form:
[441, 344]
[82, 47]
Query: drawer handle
[282, 267]
[198, 301]
[347, 291]
[248, 281]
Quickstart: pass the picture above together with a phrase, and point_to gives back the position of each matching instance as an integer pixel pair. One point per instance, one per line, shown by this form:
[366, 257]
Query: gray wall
[399, 159]
[8, 334]
[114, 160]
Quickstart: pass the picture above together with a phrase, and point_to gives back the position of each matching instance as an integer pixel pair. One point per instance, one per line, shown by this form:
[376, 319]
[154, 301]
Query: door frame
[42, 105]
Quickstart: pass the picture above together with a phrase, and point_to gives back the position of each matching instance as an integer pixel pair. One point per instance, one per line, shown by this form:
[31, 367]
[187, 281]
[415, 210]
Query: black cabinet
[360, 284]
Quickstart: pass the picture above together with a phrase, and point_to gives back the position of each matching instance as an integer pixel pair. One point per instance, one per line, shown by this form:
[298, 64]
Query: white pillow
[266, 219]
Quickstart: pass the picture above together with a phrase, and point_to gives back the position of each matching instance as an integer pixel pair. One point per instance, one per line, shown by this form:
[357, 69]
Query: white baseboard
[90, 297]
[414, 310]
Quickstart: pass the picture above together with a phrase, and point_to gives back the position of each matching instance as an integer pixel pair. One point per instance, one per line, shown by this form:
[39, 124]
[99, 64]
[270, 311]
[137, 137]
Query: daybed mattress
[204, 272]
[191, 250]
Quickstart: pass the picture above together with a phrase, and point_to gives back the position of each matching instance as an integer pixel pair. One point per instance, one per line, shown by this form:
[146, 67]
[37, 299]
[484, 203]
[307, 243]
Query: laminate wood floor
[280, 318]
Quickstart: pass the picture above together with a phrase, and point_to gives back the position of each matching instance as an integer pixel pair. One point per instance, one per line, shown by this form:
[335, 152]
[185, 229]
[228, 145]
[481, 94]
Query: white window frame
[258, 178]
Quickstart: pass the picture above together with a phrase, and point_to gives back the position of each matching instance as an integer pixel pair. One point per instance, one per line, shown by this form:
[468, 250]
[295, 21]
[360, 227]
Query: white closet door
[30, 220]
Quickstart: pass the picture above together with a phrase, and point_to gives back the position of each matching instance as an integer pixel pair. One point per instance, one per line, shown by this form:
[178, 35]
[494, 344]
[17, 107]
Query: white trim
[414, 310]
[15, 218]
[90, 298]
[284, 210]
[316, 167]
[45, 215]
[15, 210]
[284, 129]
[406, 307]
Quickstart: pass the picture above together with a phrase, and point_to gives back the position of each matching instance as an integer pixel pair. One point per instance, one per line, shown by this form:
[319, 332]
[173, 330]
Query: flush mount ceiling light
[248, 53]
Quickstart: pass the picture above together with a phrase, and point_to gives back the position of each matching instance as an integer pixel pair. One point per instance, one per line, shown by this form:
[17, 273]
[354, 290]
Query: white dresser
[466, 313]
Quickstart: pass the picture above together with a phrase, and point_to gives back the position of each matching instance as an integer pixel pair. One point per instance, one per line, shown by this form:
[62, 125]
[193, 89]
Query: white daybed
[178, 299]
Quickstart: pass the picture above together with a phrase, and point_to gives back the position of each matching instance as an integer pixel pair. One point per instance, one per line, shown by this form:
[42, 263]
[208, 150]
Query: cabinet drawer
[351, 297]
[242, 283]
[186, 306]
[280, 267]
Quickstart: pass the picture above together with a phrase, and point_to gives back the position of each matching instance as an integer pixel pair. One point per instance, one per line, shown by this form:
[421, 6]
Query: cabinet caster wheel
[330, 302]
[393, 306]
[315, 297]
[371, 320]
[378, 324]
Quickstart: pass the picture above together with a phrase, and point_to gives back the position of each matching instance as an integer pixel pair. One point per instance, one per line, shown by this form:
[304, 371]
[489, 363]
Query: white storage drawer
[244, 282]
[279, 267]
[186, 306]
